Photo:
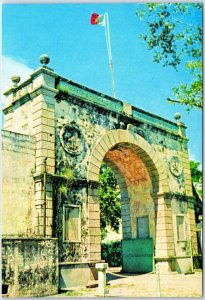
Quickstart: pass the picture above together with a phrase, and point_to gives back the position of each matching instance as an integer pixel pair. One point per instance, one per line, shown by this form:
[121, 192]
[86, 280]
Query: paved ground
[133, 285]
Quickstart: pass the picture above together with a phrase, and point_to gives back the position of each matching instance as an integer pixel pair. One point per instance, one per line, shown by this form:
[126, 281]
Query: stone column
[43, 96]
[192, 226]
[164, 248]
[187, 173]
[39, 198]
[188, 184]
[185, 156]
[94, 233]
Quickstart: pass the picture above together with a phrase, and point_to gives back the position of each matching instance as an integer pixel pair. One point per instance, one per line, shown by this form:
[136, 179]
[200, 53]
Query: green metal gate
[137, 255]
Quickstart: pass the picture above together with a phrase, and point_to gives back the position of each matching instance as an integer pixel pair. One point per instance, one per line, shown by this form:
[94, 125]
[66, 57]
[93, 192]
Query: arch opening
[142, 180]
[137, 185]
[138, 182]
[141, 148]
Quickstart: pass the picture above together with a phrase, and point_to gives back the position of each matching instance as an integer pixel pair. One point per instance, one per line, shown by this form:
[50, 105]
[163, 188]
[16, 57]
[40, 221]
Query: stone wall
[93, 122]
[90, 124]
[29, 267]
[72, 251]
[20, 120]
[76, 129]
[18, 165]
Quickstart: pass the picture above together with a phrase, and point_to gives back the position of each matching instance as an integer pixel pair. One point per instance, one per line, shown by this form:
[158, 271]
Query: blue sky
[78, 52]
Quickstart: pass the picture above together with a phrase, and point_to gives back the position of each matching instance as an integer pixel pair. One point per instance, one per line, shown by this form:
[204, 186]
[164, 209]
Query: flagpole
[107, 35]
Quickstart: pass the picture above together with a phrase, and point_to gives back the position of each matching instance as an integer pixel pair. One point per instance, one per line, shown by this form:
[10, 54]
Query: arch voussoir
[111, 138]
[139, 145]
[107, 142]
[116, 135]
[95, 160]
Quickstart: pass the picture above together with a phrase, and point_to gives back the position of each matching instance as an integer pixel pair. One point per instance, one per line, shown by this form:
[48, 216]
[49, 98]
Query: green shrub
[111, 253]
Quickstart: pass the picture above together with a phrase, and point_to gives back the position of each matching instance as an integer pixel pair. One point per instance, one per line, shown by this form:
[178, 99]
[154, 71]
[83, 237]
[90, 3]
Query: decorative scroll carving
[175, 166]
[71, 139]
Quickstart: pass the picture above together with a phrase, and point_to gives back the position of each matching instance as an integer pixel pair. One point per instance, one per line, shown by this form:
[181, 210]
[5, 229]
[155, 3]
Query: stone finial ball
[44, 59]
[15, 79]
[177, 116]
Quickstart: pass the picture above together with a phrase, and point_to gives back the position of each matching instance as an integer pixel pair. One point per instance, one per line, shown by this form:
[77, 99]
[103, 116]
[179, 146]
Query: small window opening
[143, 227]
[5, 288]
[180, 228]
[72, 223]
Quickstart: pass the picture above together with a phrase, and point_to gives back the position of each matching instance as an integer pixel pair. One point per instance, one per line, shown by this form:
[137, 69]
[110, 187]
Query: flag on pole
[103, 21]
[97, 19]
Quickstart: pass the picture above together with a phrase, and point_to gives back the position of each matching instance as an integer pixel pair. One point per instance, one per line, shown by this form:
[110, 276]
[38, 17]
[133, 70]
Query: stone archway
[160, 189]
[51, 119]
[143, 149]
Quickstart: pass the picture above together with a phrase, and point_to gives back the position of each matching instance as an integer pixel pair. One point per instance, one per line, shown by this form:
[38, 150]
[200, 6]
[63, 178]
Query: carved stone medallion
[71, 139]
[175, 166]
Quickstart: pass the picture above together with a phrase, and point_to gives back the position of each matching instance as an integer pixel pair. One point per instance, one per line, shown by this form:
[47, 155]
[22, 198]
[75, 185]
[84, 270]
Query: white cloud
[12, 67]
[192, 156]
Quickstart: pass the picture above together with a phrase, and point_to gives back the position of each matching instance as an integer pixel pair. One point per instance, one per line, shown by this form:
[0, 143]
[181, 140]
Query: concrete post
[157, 272]
[101, 267]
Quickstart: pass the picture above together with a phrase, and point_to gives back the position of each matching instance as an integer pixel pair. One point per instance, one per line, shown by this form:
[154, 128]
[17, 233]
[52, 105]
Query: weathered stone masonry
[30, 266]
[18, 153]
[76, 128]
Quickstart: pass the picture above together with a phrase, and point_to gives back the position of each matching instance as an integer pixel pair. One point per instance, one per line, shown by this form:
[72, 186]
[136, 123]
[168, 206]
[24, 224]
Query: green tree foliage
[196, 175]
[112, 253]
[174, 41]
[109, 194]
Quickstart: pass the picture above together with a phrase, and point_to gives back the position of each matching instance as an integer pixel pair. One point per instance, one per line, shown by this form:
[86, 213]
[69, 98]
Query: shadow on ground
[113, 275]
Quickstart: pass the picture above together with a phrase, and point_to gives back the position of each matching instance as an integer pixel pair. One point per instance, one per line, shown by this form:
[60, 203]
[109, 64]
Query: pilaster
[185, 157]
[187, 173]
[94, 233]
[40, 197]
[43, 112]
[164, 227]
[192, 226]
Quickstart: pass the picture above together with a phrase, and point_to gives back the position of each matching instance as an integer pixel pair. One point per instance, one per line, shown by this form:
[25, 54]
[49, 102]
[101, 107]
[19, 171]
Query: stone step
[92, 284]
